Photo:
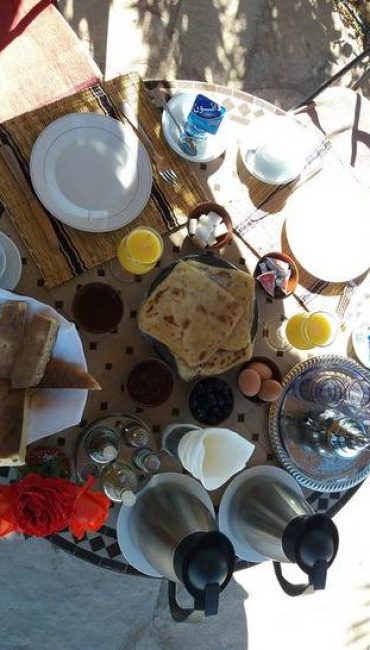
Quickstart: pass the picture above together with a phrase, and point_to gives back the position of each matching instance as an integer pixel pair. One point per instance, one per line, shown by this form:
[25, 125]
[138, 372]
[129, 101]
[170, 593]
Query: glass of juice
[139, 252]
[309, 330]
[320, 328]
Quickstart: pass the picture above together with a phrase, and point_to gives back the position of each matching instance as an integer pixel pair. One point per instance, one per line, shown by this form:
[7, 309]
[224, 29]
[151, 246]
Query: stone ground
[281, 50]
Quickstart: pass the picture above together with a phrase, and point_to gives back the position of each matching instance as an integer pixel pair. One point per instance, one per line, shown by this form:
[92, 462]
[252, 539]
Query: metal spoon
[187, 144]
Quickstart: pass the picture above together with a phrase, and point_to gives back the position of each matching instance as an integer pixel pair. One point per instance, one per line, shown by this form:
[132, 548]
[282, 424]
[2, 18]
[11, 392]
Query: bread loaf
[13, 424]
[61, 374]
[12, 324]
[35, 351]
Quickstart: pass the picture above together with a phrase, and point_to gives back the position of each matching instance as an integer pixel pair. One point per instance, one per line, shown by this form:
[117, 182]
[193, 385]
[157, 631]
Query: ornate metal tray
[320, 426]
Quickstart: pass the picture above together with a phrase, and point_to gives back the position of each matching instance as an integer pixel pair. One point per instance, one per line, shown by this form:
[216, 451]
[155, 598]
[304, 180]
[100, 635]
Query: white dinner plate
[91, 172]
[181, 105]
[126, 534]
[52, 410]
[329, 230]
[242, 548]
[13, 269]
[262, 130]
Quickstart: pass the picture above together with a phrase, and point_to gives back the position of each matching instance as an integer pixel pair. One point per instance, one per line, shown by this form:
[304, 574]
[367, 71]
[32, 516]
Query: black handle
[182, 614]
[318, 574]
[288, 587]
[210, 600]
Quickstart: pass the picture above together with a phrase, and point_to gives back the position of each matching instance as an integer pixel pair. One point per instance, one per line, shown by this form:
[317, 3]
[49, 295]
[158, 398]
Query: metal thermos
[261, 511]
[177, 533]
[267, 514]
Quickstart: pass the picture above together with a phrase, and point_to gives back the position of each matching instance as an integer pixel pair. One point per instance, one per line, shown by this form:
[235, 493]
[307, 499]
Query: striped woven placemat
[167, 208]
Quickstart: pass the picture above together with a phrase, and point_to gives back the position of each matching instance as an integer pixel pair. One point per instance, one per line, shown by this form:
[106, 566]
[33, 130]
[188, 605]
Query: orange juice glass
[139, 252]
[320, 328]
[294, 332]
[306, 331]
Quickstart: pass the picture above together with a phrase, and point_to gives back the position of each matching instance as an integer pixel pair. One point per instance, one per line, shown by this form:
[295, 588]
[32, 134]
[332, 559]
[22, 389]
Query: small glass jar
[119, 481]
[102, 444]
[136, 435]
[146, 460]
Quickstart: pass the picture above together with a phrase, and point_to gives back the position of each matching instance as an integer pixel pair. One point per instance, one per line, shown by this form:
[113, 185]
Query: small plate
[91, 172]
[181, 105]
[13, 270]
[242, 548]
[126, 535]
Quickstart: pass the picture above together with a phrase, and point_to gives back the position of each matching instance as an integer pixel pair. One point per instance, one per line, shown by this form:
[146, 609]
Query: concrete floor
[280, 50]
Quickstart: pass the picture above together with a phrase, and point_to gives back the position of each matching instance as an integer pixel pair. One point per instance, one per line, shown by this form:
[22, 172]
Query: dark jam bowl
[97, 308]
[211, 401]
[150, 383]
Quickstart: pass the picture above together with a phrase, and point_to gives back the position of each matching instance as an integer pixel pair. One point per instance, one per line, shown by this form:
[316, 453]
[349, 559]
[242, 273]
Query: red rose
[90, 510]
[43, 506]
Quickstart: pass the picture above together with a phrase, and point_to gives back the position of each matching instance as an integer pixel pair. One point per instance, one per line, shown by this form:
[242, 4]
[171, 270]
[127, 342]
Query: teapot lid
[312, 542]
[204, 563]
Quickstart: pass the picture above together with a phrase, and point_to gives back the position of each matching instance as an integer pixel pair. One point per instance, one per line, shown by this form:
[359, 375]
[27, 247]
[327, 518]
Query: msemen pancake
[190, 313]
[241, 285]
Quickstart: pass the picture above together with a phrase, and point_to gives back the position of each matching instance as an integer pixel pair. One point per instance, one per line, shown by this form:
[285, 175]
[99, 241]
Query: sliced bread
[12, 324]
[35, 351]
[61, 374]
[13, 424]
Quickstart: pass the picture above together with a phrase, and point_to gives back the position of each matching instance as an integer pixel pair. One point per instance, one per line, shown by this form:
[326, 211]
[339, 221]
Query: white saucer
[258, 133]
[126, 535]
[13, 270]
[242, 548]
[180, 105]
[91, 172]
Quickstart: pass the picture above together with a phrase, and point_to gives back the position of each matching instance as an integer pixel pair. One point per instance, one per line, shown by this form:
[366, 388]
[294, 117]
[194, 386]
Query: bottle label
[204, 117]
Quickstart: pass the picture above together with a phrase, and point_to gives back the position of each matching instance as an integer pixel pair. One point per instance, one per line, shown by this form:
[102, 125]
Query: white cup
[274, 160]
[2, 261]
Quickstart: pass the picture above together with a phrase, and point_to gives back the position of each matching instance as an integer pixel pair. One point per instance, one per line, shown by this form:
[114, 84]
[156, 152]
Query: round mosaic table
[110, 357]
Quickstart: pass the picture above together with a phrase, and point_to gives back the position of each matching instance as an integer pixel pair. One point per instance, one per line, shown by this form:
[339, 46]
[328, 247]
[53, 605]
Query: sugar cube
[200, 242]
[192, 226]
[214, 218]
[220, 229]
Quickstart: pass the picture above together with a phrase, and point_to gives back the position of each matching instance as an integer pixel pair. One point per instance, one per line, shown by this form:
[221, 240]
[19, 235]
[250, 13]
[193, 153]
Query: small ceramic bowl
[293, 280]
[205, 208]
[276, 375]
[150, 382]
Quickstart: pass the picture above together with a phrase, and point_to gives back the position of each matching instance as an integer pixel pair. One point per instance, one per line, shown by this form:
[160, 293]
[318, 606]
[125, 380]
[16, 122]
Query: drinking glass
[137, 253]
[276, 337]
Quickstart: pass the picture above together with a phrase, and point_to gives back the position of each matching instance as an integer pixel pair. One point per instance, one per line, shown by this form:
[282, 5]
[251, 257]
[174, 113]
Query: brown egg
[249, 382]
[262, 369]
[270, 390]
